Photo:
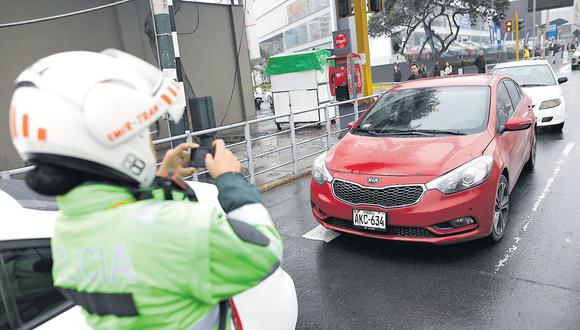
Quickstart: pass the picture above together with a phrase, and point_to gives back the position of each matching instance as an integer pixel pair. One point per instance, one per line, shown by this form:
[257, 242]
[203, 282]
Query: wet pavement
[530, 280]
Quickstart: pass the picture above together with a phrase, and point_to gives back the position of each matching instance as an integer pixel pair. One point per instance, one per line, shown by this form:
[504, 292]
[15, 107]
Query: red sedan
[432, 160]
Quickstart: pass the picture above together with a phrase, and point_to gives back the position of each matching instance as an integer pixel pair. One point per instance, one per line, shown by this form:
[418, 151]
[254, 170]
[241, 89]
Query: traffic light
[344, 8]
[375, 6]
[508, 26]
[521, 24]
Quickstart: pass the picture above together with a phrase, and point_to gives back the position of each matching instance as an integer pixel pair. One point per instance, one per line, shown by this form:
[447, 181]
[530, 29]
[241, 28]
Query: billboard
[549, 4]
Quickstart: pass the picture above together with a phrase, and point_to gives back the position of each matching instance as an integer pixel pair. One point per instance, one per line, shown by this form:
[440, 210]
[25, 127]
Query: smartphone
[197, 156]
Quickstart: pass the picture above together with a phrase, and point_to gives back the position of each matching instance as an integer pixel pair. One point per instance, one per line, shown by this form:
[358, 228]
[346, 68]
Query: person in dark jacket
[480, 62]
[415, 72]
[397, 74]
[436, 69]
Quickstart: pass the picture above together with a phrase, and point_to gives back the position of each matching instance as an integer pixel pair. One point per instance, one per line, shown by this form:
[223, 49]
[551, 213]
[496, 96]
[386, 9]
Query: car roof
[521, 63]
[28, 215]
[27, 198]
[448, 81]
[20, 223]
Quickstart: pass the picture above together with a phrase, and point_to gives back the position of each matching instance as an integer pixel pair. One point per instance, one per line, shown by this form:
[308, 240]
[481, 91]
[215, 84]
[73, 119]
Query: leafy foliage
[405, 16]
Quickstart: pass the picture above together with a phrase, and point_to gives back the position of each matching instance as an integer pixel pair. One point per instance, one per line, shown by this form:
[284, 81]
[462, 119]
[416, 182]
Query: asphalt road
[530, 280]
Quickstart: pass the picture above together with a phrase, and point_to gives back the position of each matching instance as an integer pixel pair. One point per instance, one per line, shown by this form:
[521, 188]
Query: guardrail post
[293, 142]
[326, 116]
[248, 137]
[355, 107]
[5, 175]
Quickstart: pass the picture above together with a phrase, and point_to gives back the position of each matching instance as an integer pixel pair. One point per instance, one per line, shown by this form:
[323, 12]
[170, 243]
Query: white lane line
[517, 239]
[319, 233]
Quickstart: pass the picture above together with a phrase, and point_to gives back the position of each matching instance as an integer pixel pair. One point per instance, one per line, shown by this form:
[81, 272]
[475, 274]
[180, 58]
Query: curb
[284, 181]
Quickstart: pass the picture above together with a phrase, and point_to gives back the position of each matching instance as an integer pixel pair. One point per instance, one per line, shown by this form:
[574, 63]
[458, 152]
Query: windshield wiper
[439, 131]
[398, 131]
[532, 85]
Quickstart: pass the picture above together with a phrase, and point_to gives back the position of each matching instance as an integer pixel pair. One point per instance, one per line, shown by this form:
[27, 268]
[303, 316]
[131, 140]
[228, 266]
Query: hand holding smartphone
[197, 156]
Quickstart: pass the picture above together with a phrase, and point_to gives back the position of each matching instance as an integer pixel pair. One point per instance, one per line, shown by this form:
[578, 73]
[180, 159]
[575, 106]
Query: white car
[539, 81]
[28, 300]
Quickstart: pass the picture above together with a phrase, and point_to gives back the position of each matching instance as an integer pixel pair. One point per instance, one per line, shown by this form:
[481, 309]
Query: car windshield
[428, 111]
[529, 75]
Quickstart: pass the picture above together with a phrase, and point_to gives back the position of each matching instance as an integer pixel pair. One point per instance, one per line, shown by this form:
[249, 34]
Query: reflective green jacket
[156, 264]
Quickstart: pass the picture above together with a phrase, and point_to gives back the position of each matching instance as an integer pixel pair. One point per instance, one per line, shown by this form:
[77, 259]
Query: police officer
[132, 246]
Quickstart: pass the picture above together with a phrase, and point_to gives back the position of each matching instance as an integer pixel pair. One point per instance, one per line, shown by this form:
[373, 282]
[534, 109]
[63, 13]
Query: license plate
[374, 220]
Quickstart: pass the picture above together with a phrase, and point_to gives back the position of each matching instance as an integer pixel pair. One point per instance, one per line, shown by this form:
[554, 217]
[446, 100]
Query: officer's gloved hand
[223, 161]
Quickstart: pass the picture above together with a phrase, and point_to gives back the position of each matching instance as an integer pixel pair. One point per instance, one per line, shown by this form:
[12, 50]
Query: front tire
[500, 210]
[558, 127]
[531, 163]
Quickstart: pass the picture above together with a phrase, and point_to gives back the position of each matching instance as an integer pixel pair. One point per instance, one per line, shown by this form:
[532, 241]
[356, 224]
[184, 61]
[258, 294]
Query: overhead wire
[50, 18]
[196, 24]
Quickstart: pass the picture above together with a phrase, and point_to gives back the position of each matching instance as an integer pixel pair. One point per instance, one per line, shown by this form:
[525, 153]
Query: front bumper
[413, 223]
[552, 116]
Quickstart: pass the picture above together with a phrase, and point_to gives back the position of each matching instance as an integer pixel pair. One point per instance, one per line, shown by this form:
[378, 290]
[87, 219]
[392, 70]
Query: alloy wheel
[501, 209]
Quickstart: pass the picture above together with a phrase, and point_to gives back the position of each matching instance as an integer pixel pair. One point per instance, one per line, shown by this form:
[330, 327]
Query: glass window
[28, 293]
[514, 92]
[302, 8]
[463, 110]
[312, 30]
[272, 46]
[529, 75]
[504, 108]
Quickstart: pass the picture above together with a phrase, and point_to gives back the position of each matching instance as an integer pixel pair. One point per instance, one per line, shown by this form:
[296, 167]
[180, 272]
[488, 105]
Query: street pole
[362, 42]
[168, 52]
[534, 27]
[547, 28]
[517, 37]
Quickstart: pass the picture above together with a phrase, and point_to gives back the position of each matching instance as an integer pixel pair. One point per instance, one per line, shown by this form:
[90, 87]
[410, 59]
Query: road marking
[319, 233]
[517, 239]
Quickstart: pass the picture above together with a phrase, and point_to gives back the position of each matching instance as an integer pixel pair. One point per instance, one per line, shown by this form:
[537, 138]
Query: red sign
[358, 78]
[341, 41]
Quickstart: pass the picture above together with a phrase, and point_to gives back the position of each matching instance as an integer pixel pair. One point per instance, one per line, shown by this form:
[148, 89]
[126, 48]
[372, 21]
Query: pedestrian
[480, 62]
[132, 245]
[436, 69]
[415, 74]
[526, 53]
[397, 74]
[448, 69]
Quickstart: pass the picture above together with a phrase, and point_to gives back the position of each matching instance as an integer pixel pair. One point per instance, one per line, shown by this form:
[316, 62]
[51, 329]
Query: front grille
[390, 230]
[388, 197]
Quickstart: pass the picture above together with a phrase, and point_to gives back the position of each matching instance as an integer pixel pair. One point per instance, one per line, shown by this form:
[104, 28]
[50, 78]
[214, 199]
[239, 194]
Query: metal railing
[250, 156]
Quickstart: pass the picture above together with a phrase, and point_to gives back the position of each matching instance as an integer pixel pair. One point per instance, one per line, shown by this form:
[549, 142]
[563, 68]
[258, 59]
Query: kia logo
[373, 180]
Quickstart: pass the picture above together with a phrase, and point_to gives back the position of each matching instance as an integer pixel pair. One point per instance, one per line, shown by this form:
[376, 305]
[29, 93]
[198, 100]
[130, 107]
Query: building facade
[287, 26]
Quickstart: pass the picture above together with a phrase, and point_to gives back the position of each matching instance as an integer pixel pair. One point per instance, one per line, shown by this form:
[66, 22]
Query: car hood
[543, 93]
[405, 156]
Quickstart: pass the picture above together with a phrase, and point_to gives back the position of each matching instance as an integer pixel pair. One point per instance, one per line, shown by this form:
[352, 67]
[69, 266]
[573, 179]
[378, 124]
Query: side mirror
[350, 125]
[562, 80]
[517, 124]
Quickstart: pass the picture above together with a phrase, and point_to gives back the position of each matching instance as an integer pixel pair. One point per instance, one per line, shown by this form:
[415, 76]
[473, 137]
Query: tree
[405, 16]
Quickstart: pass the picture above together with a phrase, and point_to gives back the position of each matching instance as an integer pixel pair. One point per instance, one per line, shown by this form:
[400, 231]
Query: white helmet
[91, 112]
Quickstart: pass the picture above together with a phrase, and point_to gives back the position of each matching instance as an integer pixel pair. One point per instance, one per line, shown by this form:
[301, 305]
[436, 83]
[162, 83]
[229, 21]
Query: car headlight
[468, 175]
[550, 104]
[320, 173]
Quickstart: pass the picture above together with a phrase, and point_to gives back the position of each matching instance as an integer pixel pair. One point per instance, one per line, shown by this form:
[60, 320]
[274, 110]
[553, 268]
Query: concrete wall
[209, 59]
[207, 55]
